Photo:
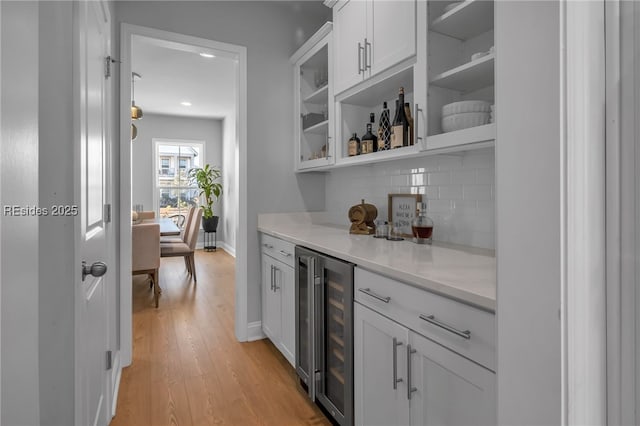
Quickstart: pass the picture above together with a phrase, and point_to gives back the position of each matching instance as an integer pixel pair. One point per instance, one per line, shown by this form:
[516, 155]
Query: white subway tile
[438, 206]
[431, 192]
[476, 192]
[439, 178]
[400, 180]
[449, 163]
[463, 176]
[486, 176]
[418, 179]
[450, 192]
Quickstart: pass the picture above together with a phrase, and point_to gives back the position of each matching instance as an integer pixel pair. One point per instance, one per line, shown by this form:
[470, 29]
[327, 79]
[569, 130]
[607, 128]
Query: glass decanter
[422, 226]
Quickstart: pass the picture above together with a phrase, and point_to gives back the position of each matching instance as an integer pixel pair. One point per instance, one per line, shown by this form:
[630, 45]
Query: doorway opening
[191, 90]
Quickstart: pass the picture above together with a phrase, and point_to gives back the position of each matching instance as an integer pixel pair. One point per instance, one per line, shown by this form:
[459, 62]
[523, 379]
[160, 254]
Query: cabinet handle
[415, 123]
[284, 253]
[275, 279]
[271, 277]
[368, 292]
[269, 246]
[410, 388]
[432, 320]
[395, 363]
[367, 56]
[360, 49]
[328, 144]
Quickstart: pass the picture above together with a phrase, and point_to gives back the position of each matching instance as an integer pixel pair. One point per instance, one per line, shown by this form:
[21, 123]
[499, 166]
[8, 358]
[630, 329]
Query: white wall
[529, 213]
[271, 31]
[19, 263]
[458, 189]
[230, 177]
[154, 126]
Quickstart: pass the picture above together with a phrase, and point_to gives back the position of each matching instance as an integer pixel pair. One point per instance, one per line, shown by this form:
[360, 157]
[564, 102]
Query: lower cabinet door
[379, 364]
[450, 390]
[271, 317]
[286, 282]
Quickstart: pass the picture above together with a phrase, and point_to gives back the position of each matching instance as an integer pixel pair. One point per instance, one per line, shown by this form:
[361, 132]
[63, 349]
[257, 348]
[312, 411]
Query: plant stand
[210, 241]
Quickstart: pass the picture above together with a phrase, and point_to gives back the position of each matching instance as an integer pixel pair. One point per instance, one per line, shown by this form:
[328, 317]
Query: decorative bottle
[422, 226]
[369, 141]
[400, 126]
[384, 129]
[407, 112]
[353, 146]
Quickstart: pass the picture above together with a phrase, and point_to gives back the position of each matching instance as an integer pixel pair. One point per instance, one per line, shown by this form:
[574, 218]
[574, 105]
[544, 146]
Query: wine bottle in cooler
[384, 129]
[400, 126]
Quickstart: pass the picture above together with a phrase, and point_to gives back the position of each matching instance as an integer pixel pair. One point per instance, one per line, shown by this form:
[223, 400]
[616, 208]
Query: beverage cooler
[324, 331]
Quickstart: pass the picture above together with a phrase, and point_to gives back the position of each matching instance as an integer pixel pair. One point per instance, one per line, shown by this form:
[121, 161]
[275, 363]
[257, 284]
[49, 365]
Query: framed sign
[402, 211]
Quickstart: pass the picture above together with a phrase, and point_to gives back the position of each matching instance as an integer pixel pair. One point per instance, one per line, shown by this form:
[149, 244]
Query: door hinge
[109, 360]
[107, 213]
[107, 65]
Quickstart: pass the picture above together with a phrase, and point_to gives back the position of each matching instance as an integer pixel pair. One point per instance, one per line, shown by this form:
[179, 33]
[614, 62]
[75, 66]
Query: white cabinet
[313, 101]
[371, 36]
[403, 377]
[278, 294]
[380, 369]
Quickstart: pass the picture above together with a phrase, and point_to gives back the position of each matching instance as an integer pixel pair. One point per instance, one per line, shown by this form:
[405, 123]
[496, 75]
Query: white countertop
[463, 273]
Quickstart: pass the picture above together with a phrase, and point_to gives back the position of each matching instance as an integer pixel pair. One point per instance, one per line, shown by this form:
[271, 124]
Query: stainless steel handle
[284, 253]
[415, 123]
[432, 320]
[360, 49]
[271, 277]
[97, 269]
[368, 292]
[275, 279]
[328, 145]
[410, 388]
[269, 246]
[395, 363]
[367, 56]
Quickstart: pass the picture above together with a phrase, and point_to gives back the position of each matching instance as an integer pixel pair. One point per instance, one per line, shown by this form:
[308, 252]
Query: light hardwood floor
[188, 368]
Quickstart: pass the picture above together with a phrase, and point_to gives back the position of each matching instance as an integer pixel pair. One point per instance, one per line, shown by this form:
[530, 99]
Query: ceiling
[172, 73]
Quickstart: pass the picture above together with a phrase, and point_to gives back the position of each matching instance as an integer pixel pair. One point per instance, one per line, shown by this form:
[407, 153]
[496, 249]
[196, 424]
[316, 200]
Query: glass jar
[422, 226]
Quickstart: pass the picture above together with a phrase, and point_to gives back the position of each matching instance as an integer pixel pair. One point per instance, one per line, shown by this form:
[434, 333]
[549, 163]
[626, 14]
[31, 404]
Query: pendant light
[136, 111]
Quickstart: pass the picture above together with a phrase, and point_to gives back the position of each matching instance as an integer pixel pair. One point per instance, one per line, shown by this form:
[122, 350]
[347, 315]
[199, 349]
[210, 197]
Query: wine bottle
[400, 126]
[407, 112]
[369, 140]
[384, 129]
[353, 145]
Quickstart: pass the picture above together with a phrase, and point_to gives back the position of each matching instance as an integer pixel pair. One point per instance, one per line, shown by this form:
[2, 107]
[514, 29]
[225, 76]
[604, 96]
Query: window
[173, 192]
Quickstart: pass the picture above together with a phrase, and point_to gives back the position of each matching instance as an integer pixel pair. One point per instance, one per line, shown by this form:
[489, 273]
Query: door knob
[97, 269]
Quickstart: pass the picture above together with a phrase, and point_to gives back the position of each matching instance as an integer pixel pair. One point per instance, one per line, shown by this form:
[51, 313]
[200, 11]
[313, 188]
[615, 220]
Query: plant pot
[210, 224]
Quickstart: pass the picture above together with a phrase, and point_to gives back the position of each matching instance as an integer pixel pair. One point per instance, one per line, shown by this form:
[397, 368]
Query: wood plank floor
[188, 368]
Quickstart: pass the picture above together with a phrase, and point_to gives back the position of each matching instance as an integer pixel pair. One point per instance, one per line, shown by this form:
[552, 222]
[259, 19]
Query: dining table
[167, 225]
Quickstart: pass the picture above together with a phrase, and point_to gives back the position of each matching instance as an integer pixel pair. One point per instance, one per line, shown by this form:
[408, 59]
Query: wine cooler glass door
[304, 317]
[336, 358]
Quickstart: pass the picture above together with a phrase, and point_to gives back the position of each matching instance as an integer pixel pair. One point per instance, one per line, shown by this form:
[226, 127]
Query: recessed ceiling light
[207, 55]
[185, 103]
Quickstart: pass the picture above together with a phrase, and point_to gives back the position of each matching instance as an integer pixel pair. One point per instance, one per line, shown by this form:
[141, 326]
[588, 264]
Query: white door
[92, 37]
[450, 390]
[392, 34]
[349, 34]
[379, 361]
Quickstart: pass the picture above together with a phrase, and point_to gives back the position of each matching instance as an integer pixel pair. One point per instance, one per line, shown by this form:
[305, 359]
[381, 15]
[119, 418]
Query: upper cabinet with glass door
[460, 72]
[313, 101]
[370, 37]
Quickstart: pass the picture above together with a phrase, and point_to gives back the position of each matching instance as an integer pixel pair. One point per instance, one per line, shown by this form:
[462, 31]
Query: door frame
[127, 32]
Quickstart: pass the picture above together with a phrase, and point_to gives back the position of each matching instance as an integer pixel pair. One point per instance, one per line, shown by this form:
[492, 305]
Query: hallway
[188, 368]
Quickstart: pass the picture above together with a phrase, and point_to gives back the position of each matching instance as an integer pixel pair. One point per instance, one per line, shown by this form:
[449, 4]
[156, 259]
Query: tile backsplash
[459, 190]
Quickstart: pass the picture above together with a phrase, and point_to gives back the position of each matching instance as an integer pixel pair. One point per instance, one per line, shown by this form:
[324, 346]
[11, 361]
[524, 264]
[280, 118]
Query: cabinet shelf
[338, 287]
[318, 129]
[462, 138]
[470, 18]
[320, 96]
[338, 355]
[337, 319]
[380, 156]
[336, 304]
[337, 339]
[337, 374]
[468, 77]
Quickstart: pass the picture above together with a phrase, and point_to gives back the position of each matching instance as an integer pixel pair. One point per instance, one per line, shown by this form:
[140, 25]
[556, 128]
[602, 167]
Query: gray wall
[171, 127]
[271, 32]
[19, 186]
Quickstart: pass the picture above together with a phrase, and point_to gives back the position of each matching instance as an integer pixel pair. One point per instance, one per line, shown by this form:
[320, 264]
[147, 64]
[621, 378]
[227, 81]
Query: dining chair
[146, 215]
[186, 248]
[145, 253]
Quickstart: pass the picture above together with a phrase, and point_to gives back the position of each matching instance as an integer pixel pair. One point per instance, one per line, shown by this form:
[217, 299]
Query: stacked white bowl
[465, 114]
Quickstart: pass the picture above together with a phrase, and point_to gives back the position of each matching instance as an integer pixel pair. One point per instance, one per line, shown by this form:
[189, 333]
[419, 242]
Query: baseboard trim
[226, 247]
[254, 331]
[116, 384]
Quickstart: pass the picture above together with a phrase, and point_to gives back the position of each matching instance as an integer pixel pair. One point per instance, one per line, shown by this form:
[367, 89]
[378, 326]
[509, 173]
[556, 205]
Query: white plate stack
[465, 114]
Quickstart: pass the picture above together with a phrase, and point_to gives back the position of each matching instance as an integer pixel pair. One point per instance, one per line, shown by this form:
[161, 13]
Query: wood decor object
[362, 216]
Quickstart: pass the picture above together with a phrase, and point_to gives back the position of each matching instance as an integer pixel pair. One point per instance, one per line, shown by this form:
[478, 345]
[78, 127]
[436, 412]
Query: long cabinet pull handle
[410, 388]
[367, 56]
[360, 49]
[368, 292]
[415, 123]
[271, 278]
[275, 279]
[395, 363]
[431, 319]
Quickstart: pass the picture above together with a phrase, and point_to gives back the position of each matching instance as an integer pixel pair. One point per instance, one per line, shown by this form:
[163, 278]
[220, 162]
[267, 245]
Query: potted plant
[206, 177]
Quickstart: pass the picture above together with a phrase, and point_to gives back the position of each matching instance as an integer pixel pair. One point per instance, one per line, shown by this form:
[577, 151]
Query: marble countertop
[463, 273]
